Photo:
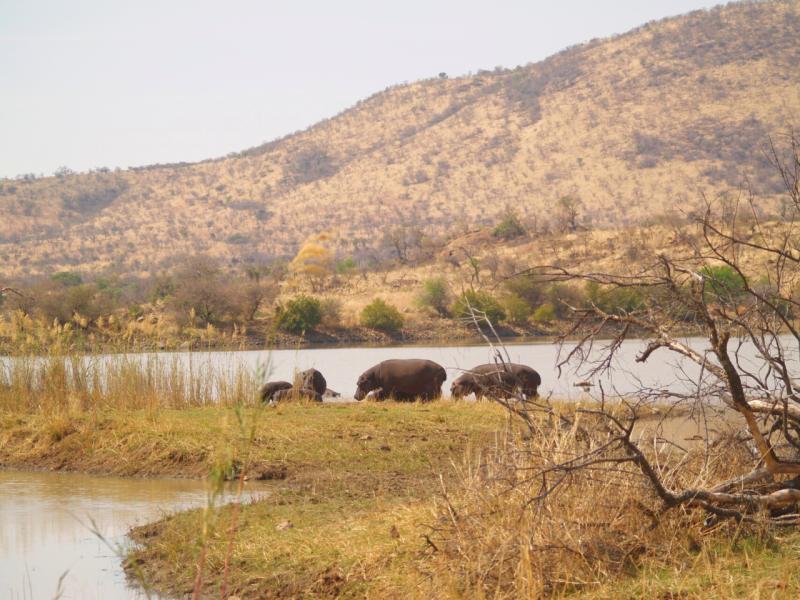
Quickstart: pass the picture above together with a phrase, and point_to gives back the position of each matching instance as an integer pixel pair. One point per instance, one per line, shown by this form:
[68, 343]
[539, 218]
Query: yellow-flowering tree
[313, 263]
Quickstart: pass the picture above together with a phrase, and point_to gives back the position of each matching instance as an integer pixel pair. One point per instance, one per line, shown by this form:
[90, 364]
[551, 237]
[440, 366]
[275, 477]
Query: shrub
[201, 292]
[346, 265]
[480, 301]
[723, 283]
[67, 278]
[435, 294]
[527, 287]
[517, 309]
[62, 303]
[615, 300]
[545, 313]
[380, 315]
[560, 295]
[300, 314]
[331, 311]
[508, 228]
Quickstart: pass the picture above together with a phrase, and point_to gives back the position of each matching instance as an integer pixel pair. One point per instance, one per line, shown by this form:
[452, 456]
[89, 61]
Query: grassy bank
[389, 500]
[421, 501]
[295, 441]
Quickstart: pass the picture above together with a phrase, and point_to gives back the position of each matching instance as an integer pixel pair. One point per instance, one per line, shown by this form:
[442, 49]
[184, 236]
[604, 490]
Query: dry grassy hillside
[631, 128]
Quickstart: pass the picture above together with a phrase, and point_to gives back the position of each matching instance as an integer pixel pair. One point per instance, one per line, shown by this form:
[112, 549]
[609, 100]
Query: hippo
[329, 393]
[269, 389]
[502, 380]
[293, 393]
[403, 379]
[313, 380]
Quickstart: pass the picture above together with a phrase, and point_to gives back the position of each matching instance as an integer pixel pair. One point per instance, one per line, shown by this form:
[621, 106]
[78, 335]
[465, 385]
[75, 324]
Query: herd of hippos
[412, 379]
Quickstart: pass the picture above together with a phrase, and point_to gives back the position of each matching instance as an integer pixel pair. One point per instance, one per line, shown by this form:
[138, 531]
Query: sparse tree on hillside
[402, 239]
[313, 262]
[200, 291]
[569, 211]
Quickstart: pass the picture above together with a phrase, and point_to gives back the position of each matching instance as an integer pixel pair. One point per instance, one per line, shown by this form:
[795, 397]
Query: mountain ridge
[650, 118]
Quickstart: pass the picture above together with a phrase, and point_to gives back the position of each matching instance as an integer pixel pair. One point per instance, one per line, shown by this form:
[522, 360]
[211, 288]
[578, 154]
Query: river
[342, 366]
[46, 529]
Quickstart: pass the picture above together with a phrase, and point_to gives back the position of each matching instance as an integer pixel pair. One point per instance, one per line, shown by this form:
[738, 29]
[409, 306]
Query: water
[342, 366]
[45, 529]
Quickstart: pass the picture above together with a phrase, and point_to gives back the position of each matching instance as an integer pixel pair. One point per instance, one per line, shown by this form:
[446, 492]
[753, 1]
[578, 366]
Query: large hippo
[296, 394]
[502, 380]
[402, 379]
[269, 389]
[313, 380]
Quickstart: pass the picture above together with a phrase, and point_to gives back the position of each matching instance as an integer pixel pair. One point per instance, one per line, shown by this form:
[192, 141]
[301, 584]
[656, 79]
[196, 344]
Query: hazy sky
[90, 83]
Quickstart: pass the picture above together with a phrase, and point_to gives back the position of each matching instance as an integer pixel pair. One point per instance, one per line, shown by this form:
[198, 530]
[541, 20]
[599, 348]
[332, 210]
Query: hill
[618, 131]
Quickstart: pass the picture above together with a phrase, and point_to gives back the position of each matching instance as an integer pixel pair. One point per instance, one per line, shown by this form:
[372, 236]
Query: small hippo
[269, 389]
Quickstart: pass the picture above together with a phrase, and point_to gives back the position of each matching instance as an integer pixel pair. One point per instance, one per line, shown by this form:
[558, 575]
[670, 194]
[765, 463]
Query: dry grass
[64, 383]
[467, 528]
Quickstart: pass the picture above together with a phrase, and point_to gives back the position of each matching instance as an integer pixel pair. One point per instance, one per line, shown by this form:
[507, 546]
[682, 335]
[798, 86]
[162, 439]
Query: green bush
[435, 294]
[517, 309]
[67, 278]
[527, 287]
[546, 313]
[562, 295]
[479, 301]
[615, 300]
[346, 265]
[378, 314]
[509, 228]
[723, 283]
[300, 314]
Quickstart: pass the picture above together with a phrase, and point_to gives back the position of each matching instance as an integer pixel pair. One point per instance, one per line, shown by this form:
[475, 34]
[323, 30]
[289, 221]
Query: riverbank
[338, 469]
[258, 336]
[361, 499]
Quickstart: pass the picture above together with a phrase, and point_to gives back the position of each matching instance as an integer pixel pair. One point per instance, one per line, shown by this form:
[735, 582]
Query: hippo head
[365, 384]
[462, 387]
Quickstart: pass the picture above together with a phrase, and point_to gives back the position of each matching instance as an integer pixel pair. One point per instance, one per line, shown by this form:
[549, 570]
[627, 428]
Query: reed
[58, 383]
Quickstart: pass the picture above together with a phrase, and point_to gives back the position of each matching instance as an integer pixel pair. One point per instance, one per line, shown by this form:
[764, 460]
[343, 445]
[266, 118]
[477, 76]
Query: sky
[111, 83]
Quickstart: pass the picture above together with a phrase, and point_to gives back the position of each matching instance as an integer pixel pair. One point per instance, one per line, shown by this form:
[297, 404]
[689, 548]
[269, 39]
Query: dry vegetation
[625, 127]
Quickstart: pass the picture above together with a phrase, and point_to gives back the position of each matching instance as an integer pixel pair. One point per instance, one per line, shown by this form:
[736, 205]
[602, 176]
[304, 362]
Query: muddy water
[45, 521]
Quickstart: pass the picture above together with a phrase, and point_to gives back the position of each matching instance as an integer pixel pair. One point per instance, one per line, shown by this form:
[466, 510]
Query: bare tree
[569, 210]
[737, 287]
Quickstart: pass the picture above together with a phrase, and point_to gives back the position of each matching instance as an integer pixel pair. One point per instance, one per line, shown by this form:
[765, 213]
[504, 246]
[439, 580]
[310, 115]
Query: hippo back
[410, 377]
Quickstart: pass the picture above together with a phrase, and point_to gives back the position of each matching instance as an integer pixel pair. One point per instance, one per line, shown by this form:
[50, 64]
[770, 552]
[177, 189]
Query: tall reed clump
[525, 521]
[72, 382]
